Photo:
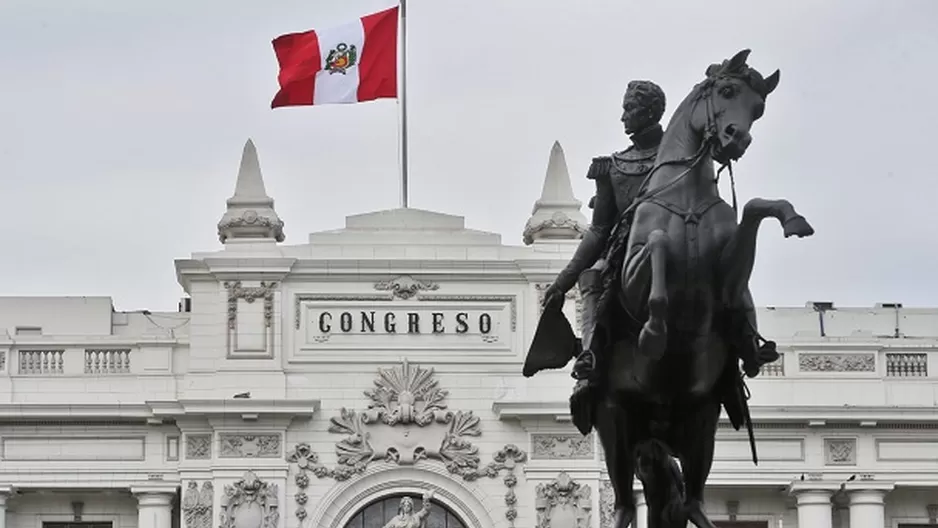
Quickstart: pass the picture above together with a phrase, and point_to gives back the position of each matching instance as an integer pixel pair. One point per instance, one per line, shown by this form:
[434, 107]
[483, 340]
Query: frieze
[563, 503]
[237, 499]
[405, 287]
[818, 362]
[197, 506]
[298, 302]
[562, 447]
[840, 451]
[198, 446]
[248, 445]
[510, 299]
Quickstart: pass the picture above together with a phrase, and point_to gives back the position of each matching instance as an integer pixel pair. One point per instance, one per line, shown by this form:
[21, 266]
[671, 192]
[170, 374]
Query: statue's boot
[590, 283]
[752, 348]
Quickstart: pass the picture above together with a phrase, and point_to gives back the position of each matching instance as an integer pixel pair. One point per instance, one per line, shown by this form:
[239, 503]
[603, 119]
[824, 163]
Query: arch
[387, 507]
[337, 507]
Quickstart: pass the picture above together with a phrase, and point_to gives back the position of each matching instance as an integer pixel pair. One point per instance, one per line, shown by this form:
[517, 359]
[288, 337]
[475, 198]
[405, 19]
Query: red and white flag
[350, 63]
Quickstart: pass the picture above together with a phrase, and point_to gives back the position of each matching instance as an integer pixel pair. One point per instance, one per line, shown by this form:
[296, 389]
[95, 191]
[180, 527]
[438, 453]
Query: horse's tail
[663, 484]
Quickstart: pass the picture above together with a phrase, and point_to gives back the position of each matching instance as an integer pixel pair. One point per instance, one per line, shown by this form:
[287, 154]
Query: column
[641, 510]
[814, 504]
[154, 507]
[5, 492]
[868, 504]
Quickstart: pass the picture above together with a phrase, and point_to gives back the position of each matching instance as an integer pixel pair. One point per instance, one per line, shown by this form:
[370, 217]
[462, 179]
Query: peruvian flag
[350, 63]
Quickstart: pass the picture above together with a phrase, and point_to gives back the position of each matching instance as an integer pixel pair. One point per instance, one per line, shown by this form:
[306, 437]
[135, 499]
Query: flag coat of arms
[350, 63]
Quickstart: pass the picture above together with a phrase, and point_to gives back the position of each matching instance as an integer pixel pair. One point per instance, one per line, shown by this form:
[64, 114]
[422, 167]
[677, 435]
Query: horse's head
[734, 97]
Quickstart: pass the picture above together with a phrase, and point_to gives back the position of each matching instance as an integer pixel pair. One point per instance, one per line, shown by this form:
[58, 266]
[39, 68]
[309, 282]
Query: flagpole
[403, 94]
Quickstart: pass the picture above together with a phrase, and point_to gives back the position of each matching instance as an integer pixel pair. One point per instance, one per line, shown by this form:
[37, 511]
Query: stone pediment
[405, 226]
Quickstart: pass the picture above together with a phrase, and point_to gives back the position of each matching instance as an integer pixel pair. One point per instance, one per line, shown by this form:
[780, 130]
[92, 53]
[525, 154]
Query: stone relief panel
[817, 362]
[197, 506]
[563, 503]
[248, 445]
[562, 446]
[198, 446]
[607, 504]
[250, 295]
[250, 503]
[406, 287]
[840, 451]
[407, 421]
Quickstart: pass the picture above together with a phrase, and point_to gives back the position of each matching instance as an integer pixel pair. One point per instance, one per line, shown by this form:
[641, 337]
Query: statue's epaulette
[600, 167]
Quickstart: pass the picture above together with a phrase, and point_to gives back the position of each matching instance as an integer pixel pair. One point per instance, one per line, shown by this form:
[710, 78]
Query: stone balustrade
[61, 361]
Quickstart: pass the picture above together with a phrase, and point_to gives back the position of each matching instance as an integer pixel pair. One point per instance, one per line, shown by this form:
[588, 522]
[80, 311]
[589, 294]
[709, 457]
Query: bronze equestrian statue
[674, 313]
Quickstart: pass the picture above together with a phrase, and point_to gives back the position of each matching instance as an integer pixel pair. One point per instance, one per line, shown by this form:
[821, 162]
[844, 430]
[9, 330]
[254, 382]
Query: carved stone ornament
[558, 225]
[405, 286]
[249, 446]
[816, 362]
[840, 451]
[250, 503]
[563, 503]
[562, 447]
[607, 504]
[198, 446]
[235, 292]
[196, 506]
[932, 510]
[506, 459]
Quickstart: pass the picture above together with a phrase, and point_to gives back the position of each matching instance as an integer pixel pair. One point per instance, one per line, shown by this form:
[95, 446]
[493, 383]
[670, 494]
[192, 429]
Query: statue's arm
[595, 238]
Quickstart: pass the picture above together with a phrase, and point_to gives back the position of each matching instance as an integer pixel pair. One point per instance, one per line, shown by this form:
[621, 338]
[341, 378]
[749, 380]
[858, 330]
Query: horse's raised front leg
[649, 265]
[739, 255]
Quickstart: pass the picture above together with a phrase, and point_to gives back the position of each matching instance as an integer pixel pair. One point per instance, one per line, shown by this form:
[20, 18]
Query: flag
[350, 63]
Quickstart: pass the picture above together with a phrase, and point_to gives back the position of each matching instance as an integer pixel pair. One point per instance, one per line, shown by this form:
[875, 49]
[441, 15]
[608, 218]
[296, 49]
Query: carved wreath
[250, 490]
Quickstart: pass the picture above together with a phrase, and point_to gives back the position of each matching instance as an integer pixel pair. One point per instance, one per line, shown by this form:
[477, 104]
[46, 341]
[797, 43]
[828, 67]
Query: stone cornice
[156, 411]
[247, 408]
[809, 415]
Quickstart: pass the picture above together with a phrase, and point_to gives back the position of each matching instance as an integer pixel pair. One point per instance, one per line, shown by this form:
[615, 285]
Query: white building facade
[316, 385]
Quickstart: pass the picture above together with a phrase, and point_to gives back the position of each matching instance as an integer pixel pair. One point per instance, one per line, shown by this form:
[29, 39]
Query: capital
[153, 495]
[813, 492]
[869, 493]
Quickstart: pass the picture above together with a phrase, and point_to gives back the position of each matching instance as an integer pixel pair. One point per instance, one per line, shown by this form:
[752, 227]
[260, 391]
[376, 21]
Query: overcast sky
[122, 123]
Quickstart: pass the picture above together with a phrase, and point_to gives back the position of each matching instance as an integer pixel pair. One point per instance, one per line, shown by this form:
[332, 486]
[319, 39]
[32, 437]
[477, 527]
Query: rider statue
[598, 260]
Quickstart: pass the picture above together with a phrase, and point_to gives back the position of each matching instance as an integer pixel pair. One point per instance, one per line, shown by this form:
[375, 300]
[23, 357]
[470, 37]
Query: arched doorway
[380, 512]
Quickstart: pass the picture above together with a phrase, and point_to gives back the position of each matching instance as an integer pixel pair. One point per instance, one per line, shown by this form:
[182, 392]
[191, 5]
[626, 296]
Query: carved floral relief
[406, 421]
[405, 286]
[816, 362]
[198, 446]
[562, 447]
[249, 445]
[840, 451]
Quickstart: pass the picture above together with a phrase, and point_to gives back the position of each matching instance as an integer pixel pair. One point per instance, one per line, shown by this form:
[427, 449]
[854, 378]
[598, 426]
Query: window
[379, 513]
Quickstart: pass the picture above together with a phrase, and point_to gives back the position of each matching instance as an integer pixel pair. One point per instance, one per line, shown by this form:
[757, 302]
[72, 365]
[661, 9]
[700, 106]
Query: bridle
[706, 144]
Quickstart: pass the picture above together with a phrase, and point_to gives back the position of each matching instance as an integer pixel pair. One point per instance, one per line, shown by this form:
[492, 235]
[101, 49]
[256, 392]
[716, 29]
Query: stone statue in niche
[196, 506]
[675, 331]
[250, 503]
[563, 503]
[408, 518]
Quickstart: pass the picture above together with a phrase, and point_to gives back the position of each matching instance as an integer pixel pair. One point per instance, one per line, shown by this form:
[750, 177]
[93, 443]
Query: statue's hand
[554, 297]
[427, 497]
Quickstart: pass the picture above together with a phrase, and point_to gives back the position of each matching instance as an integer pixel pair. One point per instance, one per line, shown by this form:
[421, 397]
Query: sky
[122, 124]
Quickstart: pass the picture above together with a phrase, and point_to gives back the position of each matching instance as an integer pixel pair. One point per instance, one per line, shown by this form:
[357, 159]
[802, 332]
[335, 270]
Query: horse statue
[671, 361]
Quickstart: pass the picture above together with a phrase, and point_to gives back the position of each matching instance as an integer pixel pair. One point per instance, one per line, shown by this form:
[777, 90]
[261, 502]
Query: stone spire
[556, 216]
[250, 213]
